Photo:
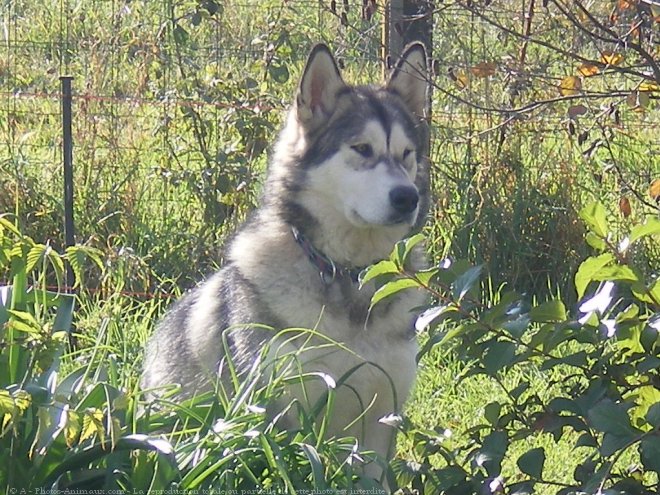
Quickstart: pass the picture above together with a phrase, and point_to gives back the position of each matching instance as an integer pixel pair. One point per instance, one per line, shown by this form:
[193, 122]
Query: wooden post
[406, 21]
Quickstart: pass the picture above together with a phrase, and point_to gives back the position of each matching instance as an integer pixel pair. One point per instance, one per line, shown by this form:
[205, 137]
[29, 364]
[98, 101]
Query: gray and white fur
[349, 172]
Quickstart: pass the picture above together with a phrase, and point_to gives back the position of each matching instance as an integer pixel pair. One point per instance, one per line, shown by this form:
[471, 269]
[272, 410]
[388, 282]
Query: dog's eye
[406, 153]
[363, 149]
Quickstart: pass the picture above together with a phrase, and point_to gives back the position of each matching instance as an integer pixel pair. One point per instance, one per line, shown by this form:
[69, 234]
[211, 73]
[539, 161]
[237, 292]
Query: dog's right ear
[319, 87]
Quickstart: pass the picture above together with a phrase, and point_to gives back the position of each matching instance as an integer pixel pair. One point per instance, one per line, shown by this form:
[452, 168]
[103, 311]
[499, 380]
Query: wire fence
[176, 103]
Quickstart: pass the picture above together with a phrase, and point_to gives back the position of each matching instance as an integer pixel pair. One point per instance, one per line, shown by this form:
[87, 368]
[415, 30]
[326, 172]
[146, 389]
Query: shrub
[600, 361]
[56, 430]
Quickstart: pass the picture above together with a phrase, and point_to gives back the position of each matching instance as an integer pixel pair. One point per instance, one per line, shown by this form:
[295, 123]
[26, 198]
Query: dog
[348, 178]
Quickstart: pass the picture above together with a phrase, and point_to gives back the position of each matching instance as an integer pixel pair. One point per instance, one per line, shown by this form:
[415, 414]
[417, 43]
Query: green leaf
[595, 242]
[279, 73]
[449, 477]
[590, 269]
[522, 488]
[648, 363]
[465, 282]
[34, 256]
[385, 267]
[77, 256]
[617, 272]
[424, 277]
[561, 404]
[316, 465]
[650, 227]
[613, 443]
[391, 288]
[492, 451]
[24, 327]
[403, 248]
[211, 6]
[180, 35]
[24, 321]
[650, 294]
[594, 216]
[517, 327]
[653, 415]
[498, 355]
[610, 417]
[6, 224]
[532, 461]
[650, 452]
[431, 315]
[97, 451]
[275, 460]
[519, 390]
[196, 19]
[550, 311]
[492, 412]
[457, 331]
[577, 359]
[586, 440]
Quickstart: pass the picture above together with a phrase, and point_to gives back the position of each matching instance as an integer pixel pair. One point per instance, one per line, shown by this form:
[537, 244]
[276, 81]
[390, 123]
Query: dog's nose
[404, 199]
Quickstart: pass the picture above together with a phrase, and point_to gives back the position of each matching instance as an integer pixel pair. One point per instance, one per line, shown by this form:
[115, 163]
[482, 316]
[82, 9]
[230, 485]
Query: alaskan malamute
[348, 179]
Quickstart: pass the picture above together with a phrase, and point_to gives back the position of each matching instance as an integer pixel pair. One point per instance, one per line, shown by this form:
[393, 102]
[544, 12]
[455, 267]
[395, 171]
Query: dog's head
[361, 150]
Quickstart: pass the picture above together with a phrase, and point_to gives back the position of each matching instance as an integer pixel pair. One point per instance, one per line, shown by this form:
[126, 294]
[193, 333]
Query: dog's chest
[342, 312]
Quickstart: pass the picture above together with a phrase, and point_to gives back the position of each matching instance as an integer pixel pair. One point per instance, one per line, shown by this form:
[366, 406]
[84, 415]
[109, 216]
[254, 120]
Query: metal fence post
[67, 157]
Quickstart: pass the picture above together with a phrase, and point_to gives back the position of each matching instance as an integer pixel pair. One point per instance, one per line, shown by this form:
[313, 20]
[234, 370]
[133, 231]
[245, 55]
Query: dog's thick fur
[349, 176]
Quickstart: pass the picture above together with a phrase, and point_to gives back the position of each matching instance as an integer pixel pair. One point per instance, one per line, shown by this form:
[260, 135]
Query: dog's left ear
[409, 79]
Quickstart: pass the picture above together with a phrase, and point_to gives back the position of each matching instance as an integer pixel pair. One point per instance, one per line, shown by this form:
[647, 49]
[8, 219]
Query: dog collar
[329, 271]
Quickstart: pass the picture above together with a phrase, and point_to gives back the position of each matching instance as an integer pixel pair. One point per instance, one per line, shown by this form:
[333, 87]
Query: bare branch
[575, 56]
[614, 37]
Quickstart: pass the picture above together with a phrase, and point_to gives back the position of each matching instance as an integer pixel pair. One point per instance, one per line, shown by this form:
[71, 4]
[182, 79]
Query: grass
[176, 110]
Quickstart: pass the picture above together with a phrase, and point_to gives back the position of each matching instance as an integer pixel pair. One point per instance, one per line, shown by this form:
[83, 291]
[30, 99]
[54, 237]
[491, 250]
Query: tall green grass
[177, 106]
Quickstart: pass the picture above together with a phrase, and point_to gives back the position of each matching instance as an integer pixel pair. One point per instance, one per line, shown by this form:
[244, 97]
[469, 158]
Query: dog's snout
[404, 199]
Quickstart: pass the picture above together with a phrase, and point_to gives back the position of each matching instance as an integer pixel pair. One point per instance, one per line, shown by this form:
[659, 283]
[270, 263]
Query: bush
[601, 364]
[52, 425]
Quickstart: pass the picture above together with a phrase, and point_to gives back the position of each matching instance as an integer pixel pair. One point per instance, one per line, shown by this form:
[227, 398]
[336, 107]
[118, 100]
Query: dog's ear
[319, 86]
[409, 79]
